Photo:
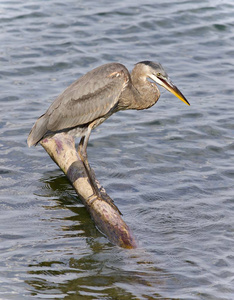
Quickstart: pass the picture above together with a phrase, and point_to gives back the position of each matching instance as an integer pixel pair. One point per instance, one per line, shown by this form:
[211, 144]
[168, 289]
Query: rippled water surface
[170, 169]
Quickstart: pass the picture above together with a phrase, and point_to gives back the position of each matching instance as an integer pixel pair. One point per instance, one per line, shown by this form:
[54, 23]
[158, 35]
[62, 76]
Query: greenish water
[169, 169]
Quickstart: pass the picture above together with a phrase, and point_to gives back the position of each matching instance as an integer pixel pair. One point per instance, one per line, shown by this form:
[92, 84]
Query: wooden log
[106, 216]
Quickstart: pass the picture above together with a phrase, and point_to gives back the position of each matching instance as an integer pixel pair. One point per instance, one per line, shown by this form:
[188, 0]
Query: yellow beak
[175, 91]
[167, 84]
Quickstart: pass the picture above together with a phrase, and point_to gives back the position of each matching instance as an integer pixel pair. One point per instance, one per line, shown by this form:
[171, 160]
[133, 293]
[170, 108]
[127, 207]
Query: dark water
[169, 169]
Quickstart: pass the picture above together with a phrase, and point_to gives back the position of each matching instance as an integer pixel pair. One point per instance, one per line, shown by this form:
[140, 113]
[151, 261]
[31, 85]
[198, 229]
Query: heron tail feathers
[38, 131]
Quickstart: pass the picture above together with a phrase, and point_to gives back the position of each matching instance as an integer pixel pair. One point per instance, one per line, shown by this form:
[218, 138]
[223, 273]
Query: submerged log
[106, 216]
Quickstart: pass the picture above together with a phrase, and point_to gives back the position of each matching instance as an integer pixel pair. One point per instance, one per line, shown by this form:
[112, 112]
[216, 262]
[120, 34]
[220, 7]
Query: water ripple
[169, 169]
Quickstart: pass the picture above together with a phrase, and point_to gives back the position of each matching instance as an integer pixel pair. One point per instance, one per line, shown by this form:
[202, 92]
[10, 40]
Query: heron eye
[158, 74]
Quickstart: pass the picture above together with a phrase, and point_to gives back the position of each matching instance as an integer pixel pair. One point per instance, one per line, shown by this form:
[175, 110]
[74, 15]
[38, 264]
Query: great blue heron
[94, 97]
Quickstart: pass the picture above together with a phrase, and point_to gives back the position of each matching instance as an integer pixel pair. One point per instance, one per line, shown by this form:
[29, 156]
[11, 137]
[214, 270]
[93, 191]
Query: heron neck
[143, 94]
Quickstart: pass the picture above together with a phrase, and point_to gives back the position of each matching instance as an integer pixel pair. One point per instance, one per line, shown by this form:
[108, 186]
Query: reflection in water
[169, 169]
[96, 275]
[60, 186]
[96, 270]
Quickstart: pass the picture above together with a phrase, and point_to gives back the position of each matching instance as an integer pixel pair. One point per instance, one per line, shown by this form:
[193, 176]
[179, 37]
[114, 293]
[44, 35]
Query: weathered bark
[106, 216]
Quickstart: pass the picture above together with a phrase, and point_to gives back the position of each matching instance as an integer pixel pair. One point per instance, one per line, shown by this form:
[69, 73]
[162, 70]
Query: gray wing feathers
[90, 97]
[38, 131]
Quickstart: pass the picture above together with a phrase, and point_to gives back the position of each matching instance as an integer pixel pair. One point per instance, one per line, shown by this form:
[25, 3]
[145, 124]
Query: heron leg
[82, 150]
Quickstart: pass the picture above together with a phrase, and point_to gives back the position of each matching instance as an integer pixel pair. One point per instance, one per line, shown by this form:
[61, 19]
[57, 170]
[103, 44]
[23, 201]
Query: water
[169, 169]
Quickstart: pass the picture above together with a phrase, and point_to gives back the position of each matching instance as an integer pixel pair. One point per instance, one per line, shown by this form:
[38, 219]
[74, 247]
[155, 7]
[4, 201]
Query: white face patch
[158, 81]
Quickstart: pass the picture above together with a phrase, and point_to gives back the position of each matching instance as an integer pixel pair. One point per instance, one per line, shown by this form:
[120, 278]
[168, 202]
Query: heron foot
[93, 183]
[92, 179]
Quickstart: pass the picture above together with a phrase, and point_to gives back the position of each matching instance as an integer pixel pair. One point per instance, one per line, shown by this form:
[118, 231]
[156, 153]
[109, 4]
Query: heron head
[156, 72]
